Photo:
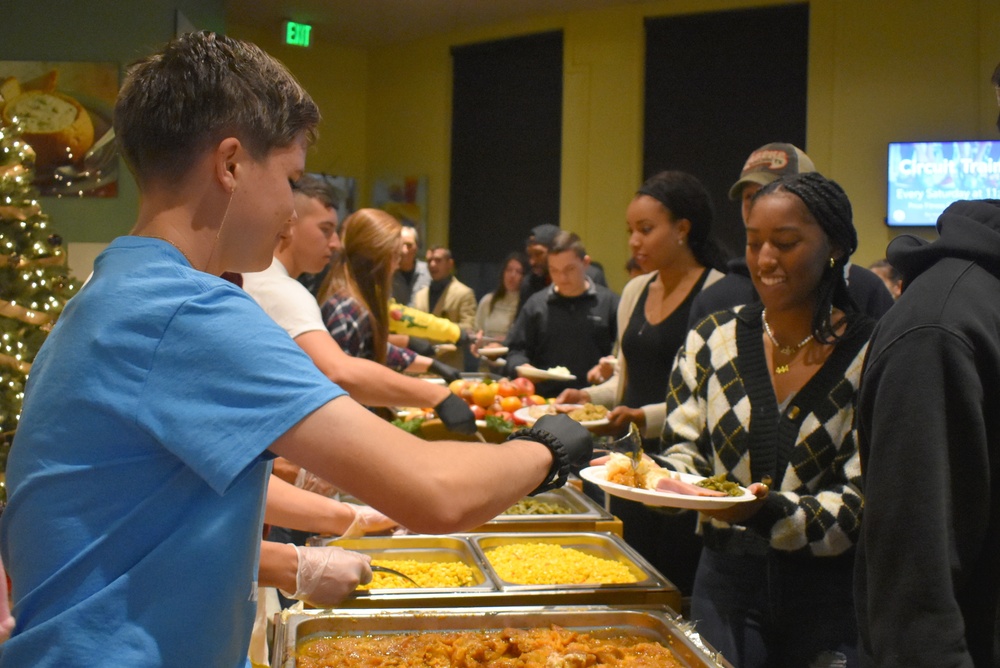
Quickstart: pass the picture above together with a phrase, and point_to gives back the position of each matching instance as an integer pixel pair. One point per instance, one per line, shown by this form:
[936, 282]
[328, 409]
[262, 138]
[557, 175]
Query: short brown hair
[315, 187]
[568, 241]
[201, 88]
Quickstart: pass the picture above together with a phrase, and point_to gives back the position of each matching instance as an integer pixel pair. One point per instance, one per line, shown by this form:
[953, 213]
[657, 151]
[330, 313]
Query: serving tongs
[391, 571]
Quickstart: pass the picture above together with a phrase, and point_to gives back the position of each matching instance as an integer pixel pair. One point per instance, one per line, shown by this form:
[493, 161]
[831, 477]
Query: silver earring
[680, 242]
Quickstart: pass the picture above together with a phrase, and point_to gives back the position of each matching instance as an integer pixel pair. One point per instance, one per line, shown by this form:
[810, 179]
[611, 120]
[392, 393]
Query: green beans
[535, 507]
[720, 484]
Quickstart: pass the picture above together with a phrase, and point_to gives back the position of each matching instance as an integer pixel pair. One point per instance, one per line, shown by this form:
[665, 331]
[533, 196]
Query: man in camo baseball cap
[769, 163]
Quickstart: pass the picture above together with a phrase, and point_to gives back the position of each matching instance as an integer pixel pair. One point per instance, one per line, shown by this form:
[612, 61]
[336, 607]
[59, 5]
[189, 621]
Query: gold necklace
[788, 351]
[179, 249]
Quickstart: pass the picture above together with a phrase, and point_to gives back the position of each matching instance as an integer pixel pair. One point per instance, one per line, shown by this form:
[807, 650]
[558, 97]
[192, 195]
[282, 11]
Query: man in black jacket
[572, 323]
[537, 247]
[927, 576]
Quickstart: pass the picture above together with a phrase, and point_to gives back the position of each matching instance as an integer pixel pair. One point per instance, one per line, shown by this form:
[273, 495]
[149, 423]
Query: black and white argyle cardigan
[722, 416]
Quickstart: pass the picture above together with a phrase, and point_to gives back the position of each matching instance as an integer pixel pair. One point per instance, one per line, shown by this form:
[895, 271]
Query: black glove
[456, 414]
[449, 373]
[570, 442]
[421, 346]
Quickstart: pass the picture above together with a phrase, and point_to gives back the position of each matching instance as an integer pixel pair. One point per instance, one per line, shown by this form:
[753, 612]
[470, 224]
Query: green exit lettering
[297, 34]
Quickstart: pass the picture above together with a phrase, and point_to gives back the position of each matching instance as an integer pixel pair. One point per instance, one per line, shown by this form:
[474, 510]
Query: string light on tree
[34, 279]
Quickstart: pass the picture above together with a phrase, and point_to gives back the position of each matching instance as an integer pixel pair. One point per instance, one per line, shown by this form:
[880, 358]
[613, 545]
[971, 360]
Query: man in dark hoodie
[927, 571]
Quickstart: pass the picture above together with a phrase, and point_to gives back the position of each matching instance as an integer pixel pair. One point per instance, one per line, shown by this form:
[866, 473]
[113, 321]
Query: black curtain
[506, 148]
[719, 85]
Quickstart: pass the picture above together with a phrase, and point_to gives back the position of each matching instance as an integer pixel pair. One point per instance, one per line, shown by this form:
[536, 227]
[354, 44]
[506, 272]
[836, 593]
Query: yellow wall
[337, 77]
[879, 71]
[895, 70]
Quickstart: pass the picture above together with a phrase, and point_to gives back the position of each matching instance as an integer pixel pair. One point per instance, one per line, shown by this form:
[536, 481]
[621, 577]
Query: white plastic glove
[313, 483]
[367, 520]
[328, 575]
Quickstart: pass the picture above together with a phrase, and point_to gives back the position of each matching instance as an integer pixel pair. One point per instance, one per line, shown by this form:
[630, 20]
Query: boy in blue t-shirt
[138, 472]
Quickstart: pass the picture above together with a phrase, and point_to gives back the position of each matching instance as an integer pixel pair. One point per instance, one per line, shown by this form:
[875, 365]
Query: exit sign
[297, 34]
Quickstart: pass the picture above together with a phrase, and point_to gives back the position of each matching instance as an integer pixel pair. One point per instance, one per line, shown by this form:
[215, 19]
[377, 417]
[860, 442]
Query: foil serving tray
[580, 506]
[653, 622]
[420, 548]
[584, 514]
[602, 545]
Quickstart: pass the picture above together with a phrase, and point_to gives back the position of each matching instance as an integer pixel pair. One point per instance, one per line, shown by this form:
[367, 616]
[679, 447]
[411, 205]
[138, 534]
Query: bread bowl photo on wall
[64, 111]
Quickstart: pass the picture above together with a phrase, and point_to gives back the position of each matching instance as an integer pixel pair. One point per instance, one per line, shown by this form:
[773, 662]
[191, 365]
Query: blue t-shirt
[139, 468]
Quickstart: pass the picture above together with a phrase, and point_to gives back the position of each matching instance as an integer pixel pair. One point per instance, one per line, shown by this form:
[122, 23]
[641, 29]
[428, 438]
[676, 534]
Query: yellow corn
[548, 564]
[425, 573]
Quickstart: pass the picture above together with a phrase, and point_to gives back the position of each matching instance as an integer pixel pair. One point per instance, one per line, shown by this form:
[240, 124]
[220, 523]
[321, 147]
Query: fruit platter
[500, 405]
[494, 402]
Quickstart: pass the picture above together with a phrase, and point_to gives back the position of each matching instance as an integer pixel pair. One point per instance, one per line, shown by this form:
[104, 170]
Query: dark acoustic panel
[506, 144]
[719, 85]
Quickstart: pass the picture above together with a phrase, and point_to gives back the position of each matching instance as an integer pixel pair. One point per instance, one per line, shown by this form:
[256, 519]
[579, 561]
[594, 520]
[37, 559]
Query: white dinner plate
[494, 351]
[533, 373]
[598, 476]
[529, 414]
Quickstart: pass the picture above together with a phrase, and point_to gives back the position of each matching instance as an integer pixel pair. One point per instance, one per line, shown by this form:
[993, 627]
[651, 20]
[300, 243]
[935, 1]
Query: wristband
[559, 472]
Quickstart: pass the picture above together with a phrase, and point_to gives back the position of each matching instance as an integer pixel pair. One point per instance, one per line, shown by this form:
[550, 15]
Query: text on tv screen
[925, 177]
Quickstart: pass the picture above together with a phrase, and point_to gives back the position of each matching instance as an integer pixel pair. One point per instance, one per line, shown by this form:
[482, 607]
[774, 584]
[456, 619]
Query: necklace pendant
[781, 368]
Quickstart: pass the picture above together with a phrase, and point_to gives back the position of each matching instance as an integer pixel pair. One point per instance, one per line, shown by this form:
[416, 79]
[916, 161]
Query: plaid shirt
[722, 416]
[350, 326]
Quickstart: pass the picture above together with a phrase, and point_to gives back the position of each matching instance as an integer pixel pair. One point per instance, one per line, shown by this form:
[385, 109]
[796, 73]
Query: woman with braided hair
[765, 394]
[669, 223]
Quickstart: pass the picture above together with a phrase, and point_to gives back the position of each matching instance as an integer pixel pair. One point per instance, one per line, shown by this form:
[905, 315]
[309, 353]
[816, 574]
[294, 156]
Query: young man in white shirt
[305, 245]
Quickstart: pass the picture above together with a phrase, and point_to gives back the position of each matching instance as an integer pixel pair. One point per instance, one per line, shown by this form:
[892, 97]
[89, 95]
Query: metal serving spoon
[391, 571]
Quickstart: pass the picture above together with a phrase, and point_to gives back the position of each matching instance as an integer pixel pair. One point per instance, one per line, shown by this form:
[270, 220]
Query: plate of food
[494, 351]
[642, 487]
[588, 415]
[553, 373]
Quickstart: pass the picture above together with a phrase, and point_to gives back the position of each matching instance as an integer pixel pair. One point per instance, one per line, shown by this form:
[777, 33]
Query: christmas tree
[34, 279]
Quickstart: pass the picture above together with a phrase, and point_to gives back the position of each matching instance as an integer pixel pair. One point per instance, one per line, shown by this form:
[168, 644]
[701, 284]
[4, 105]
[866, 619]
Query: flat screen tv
[925, 177]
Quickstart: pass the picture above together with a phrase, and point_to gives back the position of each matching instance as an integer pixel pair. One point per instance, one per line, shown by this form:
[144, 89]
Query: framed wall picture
[65, 110]
[405, 197]
[344, 190]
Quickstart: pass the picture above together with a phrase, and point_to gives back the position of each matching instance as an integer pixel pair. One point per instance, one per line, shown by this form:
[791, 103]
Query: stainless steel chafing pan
[655, 623]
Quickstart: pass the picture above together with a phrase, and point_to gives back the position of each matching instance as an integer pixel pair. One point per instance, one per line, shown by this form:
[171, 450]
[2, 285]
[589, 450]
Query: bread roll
[56, 126]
